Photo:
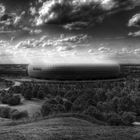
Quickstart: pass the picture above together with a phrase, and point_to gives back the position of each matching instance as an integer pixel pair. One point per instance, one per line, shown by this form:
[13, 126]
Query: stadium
[74, 71]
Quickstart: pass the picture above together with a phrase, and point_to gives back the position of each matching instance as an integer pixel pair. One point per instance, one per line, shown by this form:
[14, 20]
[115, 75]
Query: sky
[69, 31]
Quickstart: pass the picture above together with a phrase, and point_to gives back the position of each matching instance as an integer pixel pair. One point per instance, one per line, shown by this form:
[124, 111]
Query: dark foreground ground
[67, 128]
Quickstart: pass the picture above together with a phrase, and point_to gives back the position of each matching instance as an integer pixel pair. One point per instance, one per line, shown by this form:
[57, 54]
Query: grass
[66, 128]
[60, 115]
[33, 106]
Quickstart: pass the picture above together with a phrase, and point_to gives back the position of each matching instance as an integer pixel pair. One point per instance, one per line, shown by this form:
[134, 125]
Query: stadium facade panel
[74, 71]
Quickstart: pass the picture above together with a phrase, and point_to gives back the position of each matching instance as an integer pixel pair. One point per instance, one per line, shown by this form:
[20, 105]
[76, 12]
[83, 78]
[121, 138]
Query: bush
[27, 94]
[15, 115]
[40, 95]
[136, 136]
[5, 112]
[128, 118]
[92, 111]
[14, 100]
[68, 105]
[4, 98]
[45, 109]
[59, 99]
[114, 119]
[59, 108]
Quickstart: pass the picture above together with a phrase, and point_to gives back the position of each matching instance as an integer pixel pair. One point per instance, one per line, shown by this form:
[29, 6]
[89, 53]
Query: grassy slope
[65, 128]
[32, 106]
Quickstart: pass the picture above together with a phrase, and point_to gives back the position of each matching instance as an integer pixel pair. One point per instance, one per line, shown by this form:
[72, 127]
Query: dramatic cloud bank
[70, 14]
[77, 14]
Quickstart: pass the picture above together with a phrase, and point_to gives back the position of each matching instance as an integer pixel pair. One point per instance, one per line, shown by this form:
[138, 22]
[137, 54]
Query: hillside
[66, 128]
[108, 102]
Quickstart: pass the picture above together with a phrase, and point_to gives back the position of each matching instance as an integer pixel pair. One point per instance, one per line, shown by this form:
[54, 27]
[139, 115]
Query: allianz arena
[74, 71]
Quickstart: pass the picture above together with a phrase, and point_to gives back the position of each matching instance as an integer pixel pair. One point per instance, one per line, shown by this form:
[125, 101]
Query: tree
[125, 104]
[40, 94]
[46, 109]
[68, 105]
[14, 100]
[27, 94]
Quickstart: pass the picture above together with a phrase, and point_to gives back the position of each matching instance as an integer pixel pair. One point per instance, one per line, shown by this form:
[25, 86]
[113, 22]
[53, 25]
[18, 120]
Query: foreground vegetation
[114, 102]
[73, 111]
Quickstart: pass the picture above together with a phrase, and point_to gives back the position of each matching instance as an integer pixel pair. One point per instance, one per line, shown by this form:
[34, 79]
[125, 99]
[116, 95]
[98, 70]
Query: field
[86, 110]
[32, 106]
[67, 128]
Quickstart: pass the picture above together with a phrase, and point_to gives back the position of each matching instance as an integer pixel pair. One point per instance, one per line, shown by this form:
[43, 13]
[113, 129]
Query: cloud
[14, 20]
[11, 21]
[2, 9]
[137, 51]
[3, 44]
[134, 34]
[76, 25]
[122, 55]
[62, 43]
[7, 31]
[35, 31]
[74, 39]
[62, 49]
[77, 14]
[113, 52]
[134, 21]
[65, 48]
[104, 49]
[32, 11]
[90, 51]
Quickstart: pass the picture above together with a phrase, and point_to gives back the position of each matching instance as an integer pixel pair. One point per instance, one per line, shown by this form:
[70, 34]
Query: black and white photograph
[69, 69]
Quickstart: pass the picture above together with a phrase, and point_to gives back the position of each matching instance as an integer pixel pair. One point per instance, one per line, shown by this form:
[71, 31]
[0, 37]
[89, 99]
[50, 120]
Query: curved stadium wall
[74, 72]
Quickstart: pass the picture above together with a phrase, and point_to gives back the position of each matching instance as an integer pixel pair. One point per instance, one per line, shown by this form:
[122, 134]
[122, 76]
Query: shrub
[27, 94]
[105, 106]
[14, 100]
[40, 95]
[4, 99]
[5, 112]
[59, 108]
[35, 91]
[52, 101]
[15, 115]
[59, 99]
[128, 118]
[68, 105]
[92, 111]
[45, 109]
[136, 136]
[114, 119]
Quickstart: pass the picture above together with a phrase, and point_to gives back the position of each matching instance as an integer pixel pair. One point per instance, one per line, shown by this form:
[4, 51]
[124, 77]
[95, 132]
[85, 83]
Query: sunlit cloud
[134, 21]
[134, 34]
[78, 14]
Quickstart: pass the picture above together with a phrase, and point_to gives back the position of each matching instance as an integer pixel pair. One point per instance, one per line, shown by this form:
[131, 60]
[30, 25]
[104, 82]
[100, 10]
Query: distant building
[130, 69]
[74, 71]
